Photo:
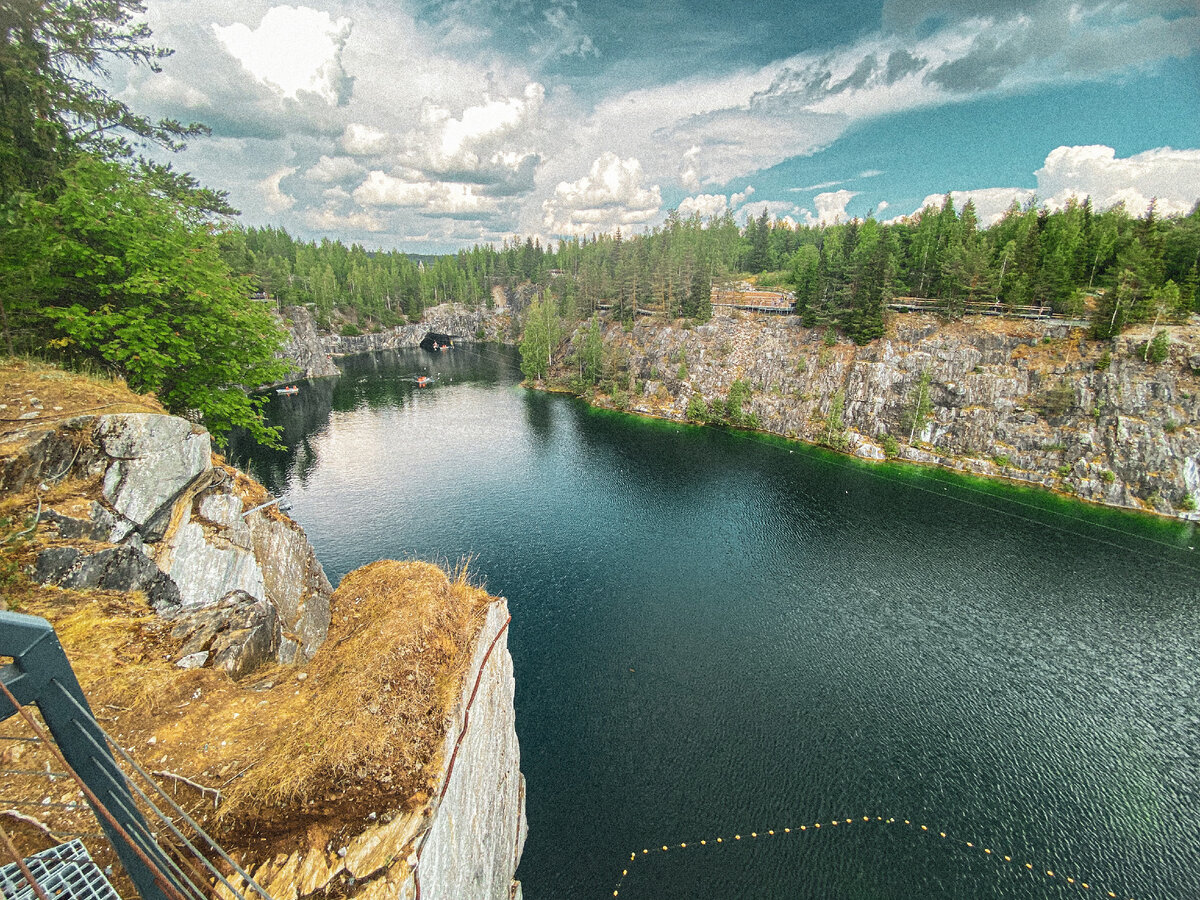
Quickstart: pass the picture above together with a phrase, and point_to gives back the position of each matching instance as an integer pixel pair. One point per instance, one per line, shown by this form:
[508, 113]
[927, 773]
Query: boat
[289, 390]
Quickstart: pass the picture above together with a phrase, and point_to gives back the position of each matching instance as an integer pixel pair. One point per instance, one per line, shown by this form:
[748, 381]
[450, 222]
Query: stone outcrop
[304, 349]
[466, 841]
[1025, 400]
[480, 324]
[163, 519]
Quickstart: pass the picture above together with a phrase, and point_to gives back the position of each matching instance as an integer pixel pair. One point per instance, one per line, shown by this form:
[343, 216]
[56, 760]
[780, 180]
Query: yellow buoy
[769, 831]
[924, 827]
[986, 850]
[754, 834]
[1050, 872]
[737, 837]
[703, 842]
[683, 845]
[664, 846]
[942, 833]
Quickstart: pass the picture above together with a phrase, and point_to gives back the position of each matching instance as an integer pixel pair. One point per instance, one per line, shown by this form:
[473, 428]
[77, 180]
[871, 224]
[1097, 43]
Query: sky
[431, 125]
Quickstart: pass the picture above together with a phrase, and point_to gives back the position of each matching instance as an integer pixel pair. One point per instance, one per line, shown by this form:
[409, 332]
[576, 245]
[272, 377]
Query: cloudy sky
[434, 124]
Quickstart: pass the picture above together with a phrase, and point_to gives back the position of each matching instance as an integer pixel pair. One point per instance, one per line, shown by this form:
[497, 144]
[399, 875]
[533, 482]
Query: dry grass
[61, 395]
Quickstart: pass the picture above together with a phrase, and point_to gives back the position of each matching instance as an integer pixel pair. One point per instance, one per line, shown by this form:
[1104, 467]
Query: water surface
[718, 634]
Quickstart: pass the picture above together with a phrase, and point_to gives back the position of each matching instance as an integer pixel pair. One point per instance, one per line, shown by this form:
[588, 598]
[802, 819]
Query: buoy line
[805, 829]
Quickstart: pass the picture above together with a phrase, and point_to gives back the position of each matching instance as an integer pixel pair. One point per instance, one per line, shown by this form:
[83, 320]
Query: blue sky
[434, 124]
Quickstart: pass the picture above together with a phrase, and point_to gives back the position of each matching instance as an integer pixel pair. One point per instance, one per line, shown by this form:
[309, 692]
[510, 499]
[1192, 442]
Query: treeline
[1110, 267]
[670, 270]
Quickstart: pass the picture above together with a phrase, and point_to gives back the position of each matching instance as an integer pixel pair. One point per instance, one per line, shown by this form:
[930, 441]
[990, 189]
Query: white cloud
[703, 205]
[609, 197]
[274, 200]
[736, 200]
[293, 49]
[430, 197]
[779, 210]
[331, 169]
[1173, 176]
[488, 143]
[831, 208]
[990, 203]
[329, 220]
[363, 140]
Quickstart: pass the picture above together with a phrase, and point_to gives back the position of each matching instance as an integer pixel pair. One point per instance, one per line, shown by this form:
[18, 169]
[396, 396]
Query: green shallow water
[718, 633]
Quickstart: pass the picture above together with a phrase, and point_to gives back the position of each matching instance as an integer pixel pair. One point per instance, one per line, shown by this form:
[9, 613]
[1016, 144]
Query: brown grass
[61, 395]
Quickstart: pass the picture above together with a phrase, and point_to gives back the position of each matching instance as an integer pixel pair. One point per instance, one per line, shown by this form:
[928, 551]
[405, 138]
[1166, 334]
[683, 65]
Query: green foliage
[682, 372]
[739, 394]
[1001, 459]
[350, 330]
[891, 447]
[920, 406]
[833, 435]
[117, 273]
[51, 110]
[1188, 503]
[697, 409]
[589, 354]
[1158, 349]
[543, 332]
[1107, 476]
[830, 338]
[1104, 361]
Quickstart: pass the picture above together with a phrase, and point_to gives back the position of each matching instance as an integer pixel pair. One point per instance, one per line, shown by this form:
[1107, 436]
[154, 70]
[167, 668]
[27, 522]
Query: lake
[718, 634]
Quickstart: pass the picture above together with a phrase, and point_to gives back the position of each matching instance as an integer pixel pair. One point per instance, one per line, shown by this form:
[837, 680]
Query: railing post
[41, 675]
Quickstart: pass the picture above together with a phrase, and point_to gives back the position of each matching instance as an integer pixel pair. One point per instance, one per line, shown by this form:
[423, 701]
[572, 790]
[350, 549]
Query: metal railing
[131, 807]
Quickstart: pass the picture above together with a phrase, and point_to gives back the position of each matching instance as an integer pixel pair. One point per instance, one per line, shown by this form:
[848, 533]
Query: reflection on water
[716, 633]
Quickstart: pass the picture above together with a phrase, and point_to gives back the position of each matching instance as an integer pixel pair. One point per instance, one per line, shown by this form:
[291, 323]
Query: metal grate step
[65, 872]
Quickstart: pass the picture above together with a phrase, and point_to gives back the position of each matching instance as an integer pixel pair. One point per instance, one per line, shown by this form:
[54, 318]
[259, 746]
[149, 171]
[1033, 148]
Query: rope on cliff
[1041, 871]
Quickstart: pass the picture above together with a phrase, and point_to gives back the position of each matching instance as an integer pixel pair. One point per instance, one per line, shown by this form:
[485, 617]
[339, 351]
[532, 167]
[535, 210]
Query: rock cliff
[140, 503]
[1025, 400]
[304, 349]
[381, 762]
[465, 842]
[448, 318]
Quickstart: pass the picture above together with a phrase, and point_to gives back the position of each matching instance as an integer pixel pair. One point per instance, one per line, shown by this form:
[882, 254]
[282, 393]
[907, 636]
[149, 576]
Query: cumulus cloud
[831, 208]
[363, 140]
[329, 220]
[438, 198]
[273, 198]
[1095, 171]
[990, 203]
[610, 196]
[486, 144]
[1172, 176]
[294, 49]
[703, 205]
[334, 169]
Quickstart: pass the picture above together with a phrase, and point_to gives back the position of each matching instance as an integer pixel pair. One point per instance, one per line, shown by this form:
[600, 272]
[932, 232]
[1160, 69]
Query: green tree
[119, 273]
[543, 331]
[920, 406]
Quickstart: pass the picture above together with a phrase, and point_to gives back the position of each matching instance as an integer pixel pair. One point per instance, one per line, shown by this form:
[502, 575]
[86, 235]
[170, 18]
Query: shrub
[350, 330]
[1107, 476]
[697, 409]
[830, 338]
[1158, 349]
[682, 373]
[891, 447]
[1188, 503]
[1001, 459]
[1104, 361]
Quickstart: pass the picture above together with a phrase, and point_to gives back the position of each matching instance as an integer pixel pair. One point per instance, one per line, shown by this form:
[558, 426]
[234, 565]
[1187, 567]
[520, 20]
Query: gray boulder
[239, 634]
[156, 459]
[114, 569]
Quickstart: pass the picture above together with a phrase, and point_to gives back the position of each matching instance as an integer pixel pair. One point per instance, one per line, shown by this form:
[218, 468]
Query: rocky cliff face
[466, 841]
[448, 318]
[1024, 400]
[153, 512]
[304, 349]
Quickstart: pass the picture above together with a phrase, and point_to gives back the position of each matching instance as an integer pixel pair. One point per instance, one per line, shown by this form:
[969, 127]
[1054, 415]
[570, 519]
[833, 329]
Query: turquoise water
[717, 634]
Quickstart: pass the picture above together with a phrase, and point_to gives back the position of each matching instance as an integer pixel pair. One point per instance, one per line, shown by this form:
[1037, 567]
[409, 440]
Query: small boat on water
[289, 390]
